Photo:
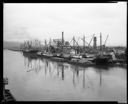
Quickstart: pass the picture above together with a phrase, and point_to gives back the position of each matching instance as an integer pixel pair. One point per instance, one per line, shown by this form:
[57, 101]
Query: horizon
[79, 45]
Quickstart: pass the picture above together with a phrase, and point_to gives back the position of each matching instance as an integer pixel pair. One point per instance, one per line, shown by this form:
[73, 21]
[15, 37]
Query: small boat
[84, 56]
[39, 53]
[30, 51]
[77, 56]
[45, 55]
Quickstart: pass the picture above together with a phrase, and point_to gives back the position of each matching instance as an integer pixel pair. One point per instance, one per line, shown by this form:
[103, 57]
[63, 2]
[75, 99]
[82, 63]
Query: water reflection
[57, 70]
[90, 81]
[32, 64]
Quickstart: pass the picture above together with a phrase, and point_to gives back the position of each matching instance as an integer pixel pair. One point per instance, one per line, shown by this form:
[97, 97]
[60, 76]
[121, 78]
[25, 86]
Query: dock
[7, 95]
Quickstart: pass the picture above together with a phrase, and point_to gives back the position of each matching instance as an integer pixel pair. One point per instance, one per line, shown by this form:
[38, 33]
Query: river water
[45, 80]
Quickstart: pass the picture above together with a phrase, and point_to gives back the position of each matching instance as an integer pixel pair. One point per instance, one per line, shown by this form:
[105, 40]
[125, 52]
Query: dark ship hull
[102, 60]
[31, 55]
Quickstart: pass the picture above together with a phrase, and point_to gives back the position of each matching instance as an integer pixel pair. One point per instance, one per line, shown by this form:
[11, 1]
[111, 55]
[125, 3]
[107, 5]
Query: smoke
[20, 34]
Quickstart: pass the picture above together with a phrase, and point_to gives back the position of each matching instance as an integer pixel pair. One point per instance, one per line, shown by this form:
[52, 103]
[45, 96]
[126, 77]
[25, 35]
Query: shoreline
[57, 59]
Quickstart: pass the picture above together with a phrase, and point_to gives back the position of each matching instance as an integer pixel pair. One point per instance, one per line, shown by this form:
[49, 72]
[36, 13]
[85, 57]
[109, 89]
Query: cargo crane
[89, 47]
[106, 39]
[105, 43]
[74, 43]
[91, 40]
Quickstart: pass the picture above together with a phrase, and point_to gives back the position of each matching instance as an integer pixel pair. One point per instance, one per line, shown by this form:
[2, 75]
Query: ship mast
[84, 43]
[101, 44]
[62, 40]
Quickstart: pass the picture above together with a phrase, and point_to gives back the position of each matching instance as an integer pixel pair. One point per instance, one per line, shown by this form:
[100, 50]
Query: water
[45, 80]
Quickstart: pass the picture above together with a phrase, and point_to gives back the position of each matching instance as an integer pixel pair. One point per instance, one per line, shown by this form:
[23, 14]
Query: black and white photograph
[65, 52]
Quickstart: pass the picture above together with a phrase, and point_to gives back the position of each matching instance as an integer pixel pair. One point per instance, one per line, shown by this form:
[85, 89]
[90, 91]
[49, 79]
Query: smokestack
[84, 42]
[63, 38]
[94, 43]
[73, 41]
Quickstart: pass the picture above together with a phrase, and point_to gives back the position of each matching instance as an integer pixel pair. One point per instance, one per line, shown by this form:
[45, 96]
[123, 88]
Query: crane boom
[92, 38]
[106, 39]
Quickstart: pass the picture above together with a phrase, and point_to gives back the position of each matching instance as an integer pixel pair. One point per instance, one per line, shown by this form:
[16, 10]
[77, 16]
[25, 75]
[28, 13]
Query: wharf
[7, 96]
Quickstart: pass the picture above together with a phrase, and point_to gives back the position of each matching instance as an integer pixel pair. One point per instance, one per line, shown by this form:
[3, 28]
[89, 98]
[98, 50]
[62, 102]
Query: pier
[7, 95]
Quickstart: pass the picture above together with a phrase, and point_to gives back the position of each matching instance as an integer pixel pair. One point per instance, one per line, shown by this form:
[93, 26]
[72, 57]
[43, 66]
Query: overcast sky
[48, 20]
